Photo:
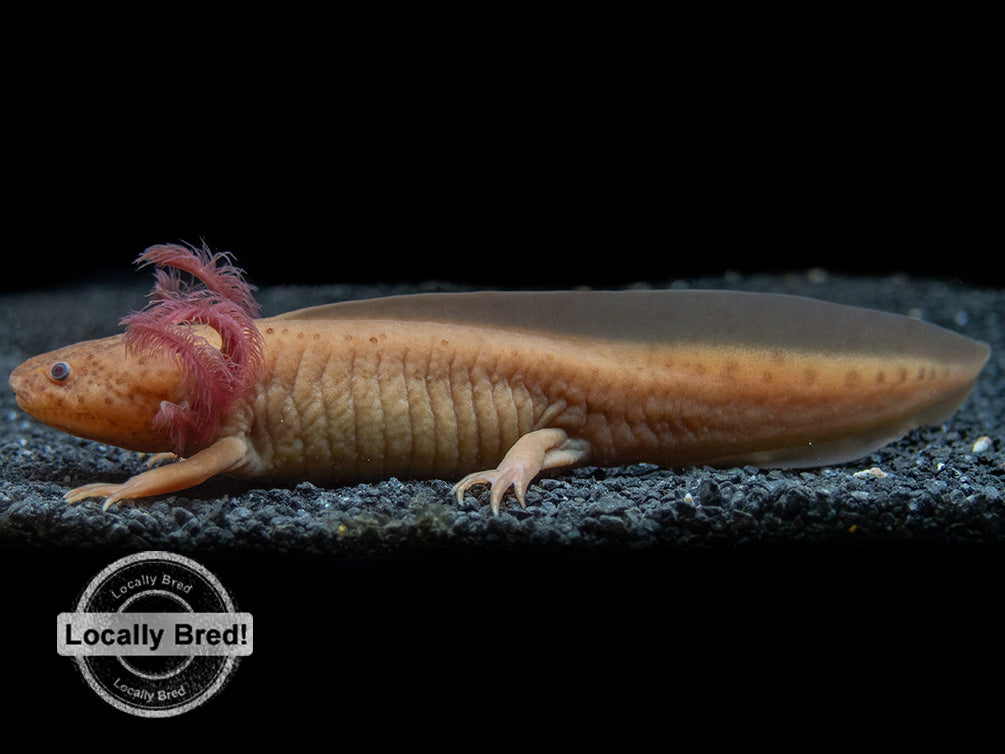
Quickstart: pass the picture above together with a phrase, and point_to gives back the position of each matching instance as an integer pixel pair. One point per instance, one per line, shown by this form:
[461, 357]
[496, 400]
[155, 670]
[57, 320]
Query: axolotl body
[488, 387]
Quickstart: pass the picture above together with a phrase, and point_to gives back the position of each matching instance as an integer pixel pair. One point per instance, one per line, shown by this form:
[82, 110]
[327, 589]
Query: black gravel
[940, 485]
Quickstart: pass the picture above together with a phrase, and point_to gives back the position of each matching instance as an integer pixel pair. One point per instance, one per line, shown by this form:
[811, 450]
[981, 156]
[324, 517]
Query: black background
[532, 215]
[621, 172]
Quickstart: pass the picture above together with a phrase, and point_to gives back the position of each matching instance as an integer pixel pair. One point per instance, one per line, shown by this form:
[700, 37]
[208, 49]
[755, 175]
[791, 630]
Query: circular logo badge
[155, 634]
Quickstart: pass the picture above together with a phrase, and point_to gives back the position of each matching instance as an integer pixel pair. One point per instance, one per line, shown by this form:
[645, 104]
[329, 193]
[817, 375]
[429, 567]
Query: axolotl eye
[60, 371]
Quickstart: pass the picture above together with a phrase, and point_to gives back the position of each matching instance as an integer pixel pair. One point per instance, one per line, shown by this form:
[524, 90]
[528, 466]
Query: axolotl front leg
[226, 454]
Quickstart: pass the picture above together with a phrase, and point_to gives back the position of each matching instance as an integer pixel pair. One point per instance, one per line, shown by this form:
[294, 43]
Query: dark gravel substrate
[940, 485]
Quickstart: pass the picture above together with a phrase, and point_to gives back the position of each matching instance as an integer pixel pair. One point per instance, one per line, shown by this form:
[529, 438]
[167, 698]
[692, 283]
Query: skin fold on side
[491, 388]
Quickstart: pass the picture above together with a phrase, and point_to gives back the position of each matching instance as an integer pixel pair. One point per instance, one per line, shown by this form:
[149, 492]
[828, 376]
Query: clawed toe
[113, 493]
[500, 480]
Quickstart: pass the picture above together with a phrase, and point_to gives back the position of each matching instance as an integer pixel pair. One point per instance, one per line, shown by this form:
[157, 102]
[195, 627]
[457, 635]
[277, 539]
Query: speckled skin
[344, 398]
[383, 398]
[110, 395]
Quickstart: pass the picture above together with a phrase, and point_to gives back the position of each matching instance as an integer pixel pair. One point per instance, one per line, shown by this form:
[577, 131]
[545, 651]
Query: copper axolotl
[487, 387]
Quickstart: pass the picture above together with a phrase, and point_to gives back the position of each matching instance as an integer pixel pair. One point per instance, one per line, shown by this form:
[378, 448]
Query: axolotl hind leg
[535, 451]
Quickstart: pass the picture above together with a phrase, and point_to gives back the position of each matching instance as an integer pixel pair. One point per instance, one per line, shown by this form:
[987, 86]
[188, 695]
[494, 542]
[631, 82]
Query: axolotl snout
[100, 390]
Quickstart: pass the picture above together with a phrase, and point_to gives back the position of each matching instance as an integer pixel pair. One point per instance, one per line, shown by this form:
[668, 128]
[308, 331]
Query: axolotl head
[102, 390]
[168, 381]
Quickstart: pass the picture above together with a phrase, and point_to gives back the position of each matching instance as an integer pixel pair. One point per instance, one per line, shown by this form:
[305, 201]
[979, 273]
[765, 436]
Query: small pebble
[982, 445]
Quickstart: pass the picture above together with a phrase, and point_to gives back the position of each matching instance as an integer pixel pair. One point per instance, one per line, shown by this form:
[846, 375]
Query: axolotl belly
[490, 387]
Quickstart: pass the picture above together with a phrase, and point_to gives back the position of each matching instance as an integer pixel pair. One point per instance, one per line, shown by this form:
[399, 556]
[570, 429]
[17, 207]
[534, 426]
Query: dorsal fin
[758, 320]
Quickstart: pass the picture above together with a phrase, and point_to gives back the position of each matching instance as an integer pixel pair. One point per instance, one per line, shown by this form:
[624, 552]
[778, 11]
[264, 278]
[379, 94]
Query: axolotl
[487, 387]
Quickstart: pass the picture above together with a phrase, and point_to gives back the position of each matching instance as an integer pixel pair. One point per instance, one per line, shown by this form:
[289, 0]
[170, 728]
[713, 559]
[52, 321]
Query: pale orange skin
[466, 387]
[110, 395]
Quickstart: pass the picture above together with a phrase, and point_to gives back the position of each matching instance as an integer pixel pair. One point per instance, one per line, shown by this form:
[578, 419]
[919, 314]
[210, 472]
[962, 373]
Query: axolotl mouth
[32, 388]
[95, 390]
[28, 395]
[16, 384]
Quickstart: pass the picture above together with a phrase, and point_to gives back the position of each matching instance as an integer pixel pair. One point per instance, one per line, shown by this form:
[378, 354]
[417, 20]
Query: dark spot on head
[269, 331]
